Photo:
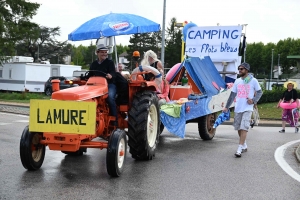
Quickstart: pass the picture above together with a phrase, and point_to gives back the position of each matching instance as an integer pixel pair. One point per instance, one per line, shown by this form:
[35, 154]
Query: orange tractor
[78, 118]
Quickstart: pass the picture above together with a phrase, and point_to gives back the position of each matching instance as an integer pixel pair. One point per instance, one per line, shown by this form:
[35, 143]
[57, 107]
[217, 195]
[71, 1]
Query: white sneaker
[239, 151]
[244, 148]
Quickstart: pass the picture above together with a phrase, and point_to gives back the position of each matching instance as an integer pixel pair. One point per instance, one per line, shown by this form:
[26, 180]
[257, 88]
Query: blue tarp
[203, 72]
[175, 125]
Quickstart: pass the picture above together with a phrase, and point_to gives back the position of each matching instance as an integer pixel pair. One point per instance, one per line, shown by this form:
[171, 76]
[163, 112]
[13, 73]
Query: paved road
[182, 169]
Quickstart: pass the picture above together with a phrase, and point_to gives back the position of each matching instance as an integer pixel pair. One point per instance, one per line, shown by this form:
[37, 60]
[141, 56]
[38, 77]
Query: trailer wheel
[116, 153]
[144, 125]
[32, 153]
[205, 126]
[48, 91]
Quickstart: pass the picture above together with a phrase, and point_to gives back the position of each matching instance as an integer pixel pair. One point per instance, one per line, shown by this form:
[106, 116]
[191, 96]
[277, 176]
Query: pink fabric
[165, 91]
[287, 115]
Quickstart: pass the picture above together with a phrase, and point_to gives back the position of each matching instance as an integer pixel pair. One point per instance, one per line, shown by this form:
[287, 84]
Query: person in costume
[291, 116]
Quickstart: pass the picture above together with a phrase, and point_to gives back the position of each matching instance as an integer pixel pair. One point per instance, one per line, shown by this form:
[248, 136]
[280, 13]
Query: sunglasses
[99, 51]
[241, 68]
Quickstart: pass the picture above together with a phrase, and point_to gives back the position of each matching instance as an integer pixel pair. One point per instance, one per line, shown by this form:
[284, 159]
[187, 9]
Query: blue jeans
[111, 100]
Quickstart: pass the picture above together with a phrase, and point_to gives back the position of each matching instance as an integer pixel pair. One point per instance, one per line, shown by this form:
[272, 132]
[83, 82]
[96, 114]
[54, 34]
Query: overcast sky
[268, 20]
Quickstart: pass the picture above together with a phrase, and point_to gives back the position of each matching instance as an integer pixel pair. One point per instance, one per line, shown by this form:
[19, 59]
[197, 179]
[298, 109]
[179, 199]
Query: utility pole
[271, 69]
[278, 68]
[162, 57]
[38, 57]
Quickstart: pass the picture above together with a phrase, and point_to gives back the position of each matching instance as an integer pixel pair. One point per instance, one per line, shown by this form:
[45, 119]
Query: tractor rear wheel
[205, 126]
[32, 153]
[162, 126]
[144, 125]
[116, 153]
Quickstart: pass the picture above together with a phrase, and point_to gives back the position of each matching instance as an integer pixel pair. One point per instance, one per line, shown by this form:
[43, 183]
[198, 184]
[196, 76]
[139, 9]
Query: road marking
[25, 121]
[13, 114]
[279, 157]
[1, 123]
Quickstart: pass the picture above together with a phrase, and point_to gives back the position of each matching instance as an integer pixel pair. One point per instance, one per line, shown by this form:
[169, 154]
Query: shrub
[274, 95]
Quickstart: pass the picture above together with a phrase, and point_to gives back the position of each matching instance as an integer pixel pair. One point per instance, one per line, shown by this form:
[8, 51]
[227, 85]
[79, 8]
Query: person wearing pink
[289, 115]
[243, 91]
[164, 95]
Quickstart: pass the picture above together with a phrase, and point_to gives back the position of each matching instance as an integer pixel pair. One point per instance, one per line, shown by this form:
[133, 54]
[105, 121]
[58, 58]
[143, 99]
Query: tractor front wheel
[116, 153]
[205, 126]
[32, 153]
[144, 125]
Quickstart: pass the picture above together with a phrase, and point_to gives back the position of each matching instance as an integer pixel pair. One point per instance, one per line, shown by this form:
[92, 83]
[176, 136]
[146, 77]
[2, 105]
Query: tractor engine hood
[95, 87]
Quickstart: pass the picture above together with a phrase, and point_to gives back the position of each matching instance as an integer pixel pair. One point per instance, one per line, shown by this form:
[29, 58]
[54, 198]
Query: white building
[21, 74]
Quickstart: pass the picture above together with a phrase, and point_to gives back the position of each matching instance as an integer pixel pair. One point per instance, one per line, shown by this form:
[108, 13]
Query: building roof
[296, 56]
[123, 54]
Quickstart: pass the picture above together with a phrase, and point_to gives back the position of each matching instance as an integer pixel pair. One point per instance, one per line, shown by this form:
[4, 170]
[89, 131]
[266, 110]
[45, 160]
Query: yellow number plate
[62, 116]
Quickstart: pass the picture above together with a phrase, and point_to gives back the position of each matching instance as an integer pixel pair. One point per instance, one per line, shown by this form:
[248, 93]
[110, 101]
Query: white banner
[221, 43]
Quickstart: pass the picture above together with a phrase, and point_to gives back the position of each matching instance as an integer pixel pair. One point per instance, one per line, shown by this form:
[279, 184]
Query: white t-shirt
[244, 91]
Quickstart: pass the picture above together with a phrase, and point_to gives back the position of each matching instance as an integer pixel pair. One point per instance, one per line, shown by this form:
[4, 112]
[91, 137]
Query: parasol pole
[162, 57]
[116, 54]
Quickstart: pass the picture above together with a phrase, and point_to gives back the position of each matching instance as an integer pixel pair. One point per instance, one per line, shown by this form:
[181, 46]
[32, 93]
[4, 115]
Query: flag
[243, 47]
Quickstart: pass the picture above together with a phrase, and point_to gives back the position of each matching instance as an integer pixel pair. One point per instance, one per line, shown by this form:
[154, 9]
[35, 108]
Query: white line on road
[4, 113]
[25, 121]
[1, 123]
[279, 157]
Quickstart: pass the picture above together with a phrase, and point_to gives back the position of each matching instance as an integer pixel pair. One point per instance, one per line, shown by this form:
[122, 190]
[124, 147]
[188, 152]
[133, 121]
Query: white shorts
[242, 120]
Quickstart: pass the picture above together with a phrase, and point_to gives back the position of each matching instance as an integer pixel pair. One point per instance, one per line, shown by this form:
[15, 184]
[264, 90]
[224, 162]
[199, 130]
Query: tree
[40, 42]
[254, 53]
[89, 54]
[78, 56]
[14, 23]
[142, 43]
[173, 45]
[120, 49]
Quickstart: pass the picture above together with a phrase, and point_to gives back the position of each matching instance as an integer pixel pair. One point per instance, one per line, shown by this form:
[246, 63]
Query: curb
[297, 153]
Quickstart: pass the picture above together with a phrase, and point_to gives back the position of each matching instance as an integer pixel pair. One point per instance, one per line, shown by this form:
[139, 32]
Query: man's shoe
[244, 150]
[238, 154]
[296, 129]
[252, 123]
[239, 151]
[282, 131]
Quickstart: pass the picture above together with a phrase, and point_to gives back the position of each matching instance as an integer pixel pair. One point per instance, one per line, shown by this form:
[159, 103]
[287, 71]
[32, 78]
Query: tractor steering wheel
[87, 72]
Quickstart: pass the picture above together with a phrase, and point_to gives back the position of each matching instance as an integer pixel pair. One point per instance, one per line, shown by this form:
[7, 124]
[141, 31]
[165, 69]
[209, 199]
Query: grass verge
[19, 97]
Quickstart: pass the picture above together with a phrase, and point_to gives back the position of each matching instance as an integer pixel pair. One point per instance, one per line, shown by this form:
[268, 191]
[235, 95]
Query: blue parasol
[224, 116]
[113, 24]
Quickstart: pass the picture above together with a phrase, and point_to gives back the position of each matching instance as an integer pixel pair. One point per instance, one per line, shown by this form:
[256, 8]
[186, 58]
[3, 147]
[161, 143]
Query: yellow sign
[62, 116]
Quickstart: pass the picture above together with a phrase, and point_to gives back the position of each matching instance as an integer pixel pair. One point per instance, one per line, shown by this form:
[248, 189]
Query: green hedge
[273, 95]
